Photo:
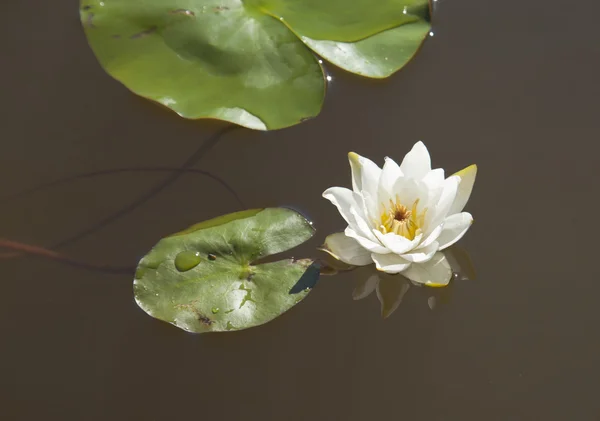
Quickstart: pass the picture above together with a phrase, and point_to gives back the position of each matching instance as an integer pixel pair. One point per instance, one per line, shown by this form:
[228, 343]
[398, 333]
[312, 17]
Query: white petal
[347, 249]
[435, 272]
[408, 190]
[467, 179]
[416, 163]
[423, 254]
[438, 214]
[390, 263]
[455, 227]
[362, 227]
[366, 243]
[434, 179]
[370, 207]
[364, 288]
[365, 174]
[430, 195]
[431, 237]
[389, 175]
[344, 200]
[397, 243]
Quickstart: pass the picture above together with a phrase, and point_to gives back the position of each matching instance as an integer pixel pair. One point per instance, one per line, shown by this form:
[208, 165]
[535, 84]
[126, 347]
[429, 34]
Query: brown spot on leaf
[220, 8]
[87, 7]
[145, 33]
[190, 307]
[116, 36]
[212, 257]
[204, 320]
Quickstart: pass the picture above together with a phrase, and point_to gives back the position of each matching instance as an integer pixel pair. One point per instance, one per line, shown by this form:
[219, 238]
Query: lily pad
[210, 278]
[247, 61]
[378, 56]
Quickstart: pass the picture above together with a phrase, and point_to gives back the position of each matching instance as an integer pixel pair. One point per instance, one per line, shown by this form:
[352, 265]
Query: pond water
[511, 86]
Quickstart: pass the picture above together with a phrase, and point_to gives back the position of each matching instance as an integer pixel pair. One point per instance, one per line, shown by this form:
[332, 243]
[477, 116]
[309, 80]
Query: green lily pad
[378, 56]
[247, 61]
[340, 20]
[209, 278]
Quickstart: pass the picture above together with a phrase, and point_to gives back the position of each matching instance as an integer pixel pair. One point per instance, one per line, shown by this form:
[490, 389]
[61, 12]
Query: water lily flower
[401, 217]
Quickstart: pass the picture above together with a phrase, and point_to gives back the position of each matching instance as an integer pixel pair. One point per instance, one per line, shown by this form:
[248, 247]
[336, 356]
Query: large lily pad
[247, 61]
[209, 278]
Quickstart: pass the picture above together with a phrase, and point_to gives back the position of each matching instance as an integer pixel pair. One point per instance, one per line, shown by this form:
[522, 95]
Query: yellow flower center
[397, 218]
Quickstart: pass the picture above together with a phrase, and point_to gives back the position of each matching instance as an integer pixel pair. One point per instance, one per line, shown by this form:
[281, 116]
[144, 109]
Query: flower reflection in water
[391, 289]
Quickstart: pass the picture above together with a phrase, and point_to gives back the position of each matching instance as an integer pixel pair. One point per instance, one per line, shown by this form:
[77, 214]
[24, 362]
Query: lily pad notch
[210, 277]
[249, 62]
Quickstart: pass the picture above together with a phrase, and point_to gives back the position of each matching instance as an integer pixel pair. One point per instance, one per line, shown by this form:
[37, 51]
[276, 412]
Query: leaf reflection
[391, 289]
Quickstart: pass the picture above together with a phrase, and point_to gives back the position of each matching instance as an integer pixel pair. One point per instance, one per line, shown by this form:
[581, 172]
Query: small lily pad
[209, 278]
[247, 61]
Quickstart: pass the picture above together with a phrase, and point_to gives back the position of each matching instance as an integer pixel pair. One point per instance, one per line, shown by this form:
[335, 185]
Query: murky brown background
[509, 85]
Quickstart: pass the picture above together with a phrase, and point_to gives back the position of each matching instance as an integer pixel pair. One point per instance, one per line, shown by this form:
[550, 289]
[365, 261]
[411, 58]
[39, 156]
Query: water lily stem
[17, 249]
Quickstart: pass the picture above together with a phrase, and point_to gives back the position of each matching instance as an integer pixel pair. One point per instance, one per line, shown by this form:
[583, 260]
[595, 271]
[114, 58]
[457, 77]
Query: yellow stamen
[398, 219]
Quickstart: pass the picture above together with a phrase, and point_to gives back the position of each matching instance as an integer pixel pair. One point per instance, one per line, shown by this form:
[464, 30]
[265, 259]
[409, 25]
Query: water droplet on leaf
[187, 260]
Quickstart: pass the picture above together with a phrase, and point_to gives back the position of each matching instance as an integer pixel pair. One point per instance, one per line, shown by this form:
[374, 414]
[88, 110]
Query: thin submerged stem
[16, 249]
[204, 148]
[21, 248]
[93, 174]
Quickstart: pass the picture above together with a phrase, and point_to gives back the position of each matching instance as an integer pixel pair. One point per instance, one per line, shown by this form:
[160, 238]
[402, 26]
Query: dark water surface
[509, 85]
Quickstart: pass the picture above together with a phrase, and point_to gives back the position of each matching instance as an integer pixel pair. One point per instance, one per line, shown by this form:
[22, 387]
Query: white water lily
[401, 217]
